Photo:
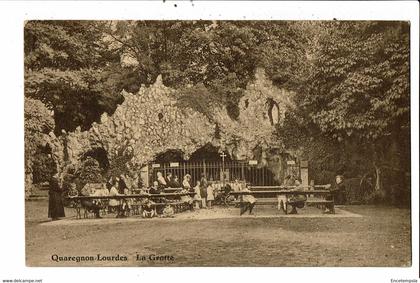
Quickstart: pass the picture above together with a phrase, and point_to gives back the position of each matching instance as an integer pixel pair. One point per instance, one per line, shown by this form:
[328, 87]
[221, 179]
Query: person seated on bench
[282, 199]
[248, 202]
[103, 191]
[161, 181]
[169, 180]
[154, 190]
[297, 201]
[186, 182]
[175, 182]
[338, 194]
[168, 211]
[73, 192]
[90, 205]
[148, 209]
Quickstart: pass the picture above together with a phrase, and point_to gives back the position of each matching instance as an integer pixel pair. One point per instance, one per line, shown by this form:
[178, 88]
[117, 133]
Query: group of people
[338, 194]
[114, 187]
[202, 194]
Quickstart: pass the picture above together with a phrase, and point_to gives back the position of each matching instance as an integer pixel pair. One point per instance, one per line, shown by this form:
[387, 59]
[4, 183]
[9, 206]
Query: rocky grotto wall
[149, 123]
[252, 133]
[145, 124]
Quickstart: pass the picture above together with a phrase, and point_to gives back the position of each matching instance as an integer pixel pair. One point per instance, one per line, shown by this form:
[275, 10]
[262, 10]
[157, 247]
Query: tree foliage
[38, 123]
[350, 79]
[357, 92]
[68, 67]
[360, 83]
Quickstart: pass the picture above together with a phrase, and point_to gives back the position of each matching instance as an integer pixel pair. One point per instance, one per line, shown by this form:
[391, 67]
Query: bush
[89, 172]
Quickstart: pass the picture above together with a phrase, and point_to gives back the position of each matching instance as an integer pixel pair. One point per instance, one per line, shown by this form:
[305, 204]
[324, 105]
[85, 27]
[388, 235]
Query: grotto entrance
[100, 155]
[207, 160]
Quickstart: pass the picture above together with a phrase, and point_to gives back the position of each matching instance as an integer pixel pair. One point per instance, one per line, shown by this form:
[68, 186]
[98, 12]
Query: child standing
[248, 202]
[197, 196]
[210, 195]
[203, 193]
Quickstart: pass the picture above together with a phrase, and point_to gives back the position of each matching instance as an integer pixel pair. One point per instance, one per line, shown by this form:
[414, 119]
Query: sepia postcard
[207, 132]
[219, 142]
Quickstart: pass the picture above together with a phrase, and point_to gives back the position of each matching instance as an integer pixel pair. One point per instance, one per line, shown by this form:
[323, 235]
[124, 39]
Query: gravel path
[355, 236]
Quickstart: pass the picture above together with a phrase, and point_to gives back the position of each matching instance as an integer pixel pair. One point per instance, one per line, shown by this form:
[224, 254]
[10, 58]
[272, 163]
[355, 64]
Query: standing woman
[55, 201]
[114, 203]
[210, 195]
[203, 190]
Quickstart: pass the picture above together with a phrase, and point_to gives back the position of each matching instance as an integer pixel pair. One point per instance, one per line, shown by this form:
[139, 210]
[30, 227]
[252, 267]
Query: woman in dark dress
[55, 201]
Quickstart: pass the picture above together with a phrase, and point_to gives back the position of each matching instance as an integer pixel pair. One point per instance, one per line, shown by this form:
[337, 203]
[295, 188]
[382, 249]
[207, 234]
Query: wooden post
[145, 175]
[204, 168]
[312, 184]
[304, 172]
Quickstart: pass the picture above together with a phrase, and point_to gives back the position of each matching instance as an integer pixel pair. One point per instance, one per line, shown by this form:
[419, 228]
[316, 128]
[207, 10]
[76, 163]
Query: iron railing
[255, 175]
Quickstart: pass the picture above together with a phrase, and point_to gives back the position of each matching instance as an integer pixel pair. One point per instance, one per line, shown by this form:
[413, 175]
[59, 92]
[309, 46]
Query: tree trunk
[378, 173]
[378, 170]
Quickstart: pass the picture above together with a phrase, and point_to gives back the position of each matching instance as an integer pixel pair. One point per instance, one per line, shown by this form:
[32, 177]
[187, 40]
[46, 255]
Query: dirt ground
[356, 236]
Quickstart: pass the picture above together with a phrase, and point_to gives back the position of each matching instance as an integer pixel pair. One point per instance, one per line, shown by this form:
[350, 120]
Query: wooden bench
[77, 201]
[178, 205]
[314, 201]
[270, 191]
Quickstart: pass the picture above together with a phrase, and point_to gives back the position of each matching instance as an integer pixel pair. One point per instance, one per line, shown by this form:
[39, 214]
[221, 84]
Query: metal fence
[242, 170]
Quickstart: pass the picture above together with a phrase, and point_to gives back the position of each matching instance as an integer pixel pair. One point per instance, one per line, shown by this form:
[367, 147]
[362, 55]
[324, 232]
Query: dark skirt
[55, 205]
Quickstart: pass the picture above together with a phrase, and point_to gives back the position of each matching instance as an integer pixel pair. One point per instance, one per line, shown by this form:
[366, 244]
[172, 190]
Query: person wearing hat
[55, 200]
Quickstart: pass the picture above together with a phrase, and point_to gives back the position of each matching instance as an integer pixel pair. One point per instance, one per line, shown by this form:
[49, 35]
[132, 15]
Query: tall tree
[358, 90]
[67, 65]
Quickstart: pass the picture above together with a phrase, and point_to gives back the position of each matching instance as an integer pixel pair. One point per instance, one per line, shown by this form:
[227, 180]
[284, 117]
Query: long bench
[270, 191]
[78, 201]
